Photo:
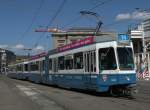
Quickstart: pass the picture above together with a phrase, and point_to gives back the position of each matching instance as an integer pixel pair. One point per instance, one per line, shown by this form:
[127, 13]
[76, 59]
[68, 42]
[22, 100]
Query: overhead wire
[51, 21]
[72, 21]
[100, 4]
[96, 6]
[35, 15]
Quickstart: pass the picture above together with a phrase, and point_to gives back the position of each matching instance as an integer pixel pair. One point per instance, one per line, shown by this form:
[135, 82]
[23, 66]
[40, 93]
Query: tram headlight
[104, 77]
[127, 78]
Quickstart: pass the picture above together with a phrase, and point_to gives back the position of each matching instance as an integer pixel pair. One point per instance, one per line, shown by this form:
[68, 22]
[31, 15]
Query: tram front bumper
[117, 79]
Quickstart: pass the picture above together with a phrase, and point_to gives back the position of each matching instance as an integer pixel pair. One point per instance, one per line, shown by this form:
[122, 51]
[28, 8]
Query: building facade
[141, 42]
[74, 34]
[137, 39]
[141, 37]
[6, 57]
[146, 33]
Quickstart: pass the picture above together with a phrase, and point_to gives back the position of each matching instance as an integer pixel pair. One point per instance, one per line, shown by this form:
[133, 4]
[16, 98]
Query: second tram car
[96, 63]
[31, 69]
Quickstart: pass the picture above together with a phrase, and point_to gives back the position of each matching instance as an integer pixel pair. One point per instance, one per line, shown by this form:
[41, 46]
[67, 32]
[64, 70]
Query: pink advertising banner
[38, 56]
[76, 44]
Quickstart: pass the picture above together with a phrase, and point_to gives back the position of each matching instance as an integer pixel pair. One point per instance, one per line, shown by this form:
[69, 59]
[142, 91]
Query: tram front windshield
[125, 58]
[107, 60]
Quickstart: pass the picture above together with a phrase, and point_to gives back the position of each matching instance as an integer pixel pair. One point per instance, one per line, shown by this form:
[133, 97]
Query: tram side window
[43, 65]
[107, 59]
[61, 63]
[50, 64]
[69, 62]
[26, 67]
[19, 68]
[78, 60]
[34, 66]
[16, 68]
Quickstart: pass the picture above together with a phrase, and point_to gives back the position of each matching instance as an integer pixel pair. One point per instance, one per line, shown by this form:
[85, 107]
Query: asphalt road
[11, 99]
[24, 95]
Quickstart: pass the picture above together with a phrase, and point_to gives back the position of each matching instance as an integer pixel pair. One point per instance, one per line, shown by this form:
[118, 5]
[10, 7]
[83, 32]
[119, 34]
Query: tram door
[55, 65]
[89, 64]
[42, 66]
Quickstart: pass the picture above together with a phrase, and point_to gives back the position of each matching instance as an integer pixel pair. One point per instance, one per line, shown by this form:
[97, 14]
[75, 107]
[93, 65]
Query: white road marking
[26, 90]
[35, 95]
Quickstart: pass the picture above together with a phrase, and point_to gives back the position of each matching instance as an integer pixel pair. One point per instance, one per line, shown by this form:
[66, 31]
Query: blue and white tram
[92, 65]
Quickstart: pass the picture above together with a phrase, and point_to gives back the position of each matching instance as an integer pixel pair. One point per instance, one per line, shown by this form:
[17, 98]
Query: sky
[20, 18]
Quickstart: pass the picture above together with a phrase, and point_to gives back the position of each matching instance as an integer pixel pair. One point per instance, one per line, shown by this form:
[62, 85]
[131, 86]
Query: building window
[60, 45]
[60, 41]
[73, 41]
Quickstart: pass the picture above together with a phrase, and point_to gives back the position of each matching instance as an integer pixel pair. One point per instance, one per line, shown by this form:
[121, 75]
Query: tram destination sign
[76, 44]
[123, 39]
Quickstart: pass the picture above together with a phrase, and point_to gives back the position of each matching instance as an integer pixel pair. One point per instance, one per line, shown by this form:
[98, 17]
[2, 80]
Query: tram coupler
[123, 90]
[131, 90]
